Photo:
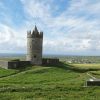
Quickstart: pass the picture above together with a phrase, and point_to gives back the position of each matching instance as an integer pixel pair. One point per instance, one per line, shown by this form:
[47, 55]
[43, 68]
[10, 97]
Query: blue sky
[71, 27]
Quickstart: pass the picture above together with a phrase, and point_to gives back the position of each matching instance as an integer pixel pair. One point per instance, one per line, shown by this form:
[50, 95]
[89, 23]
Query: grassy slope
[93, 67]
[63, 82]
[4, 73]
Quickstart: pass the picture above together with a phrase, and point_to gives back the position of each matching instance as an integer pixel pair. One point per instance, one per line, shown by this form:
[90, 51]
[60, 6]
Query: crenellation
[29, 35]
[37, 34]
[41, 34]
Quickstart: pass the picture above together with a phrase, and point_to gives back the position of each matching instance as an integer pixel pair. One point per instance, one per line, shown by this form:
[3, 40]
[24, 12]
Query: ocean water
[23, 55]
[11, 55]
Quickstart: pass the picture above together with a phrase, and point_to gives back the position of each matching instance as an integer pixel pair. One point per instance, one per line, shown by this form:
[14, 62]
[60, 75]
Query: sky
[71, 27]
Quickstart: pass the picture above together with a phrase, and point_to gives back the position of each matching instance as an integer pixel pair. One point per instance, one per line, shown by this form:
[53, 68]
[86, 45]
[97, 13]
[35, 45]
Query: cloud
[69, 26]
[10, 41]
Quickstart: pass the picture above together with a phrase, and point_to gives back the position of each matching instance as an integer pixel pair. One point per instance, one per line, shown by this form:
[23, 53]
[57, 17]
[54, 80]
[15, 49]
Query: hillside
[61, 82]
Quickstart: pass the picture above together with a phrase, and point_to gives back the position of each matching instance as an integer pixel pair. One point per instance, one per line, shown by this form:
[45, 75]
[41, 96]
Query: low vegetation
[60, 82]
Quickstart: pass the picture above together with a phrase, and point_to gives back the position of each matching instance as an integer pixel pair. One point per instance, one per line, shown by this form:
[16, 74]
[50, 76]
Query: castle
[34, 53]
[34, 46]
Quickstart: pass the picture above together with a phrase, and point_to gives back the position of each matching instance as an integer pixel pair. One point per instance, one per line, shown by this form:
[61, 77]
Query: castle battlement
[29, 35]
[35, 34]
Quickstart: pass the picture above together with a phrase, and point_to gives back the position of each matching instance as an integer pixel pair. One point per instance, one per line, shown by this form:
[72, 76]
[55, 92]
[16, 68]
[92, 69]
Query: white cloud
[10, 41]
[75, 29]
[35, 8]
[72, 30]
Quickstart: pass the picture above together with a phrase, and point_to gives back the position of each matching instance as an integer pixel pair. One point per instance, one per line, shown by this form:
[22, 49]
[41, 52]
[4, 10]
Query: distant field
[90, 67]
[94, 66]
[61, 82]
[73, 59]
[80, 59]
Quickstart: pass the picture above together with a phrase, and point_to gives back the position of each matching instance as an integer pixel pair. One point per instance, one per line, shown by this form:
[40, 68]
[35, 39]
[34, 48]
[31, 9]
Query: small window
[34, 56]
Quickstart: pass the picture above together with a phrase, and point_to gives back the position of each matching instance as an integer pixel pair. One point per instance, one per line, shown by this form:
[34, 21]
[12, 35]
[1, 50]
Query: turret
[29, 35]
[34, 46]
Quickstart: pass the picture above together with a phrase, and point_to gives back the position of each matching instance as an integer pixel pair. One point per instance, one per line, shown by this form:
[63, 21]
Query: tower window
[34, 56]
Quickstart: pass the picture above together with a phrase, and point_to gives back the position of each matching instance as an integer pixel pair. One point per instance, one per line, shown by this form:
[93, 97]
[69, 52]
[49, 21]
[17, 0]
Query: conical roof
[35, 29]
[36, 33]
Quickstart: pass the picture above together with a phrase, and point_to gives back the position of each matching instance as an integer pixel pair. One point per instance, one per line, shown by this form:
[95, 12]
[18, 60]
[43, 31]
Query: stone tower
[34, 46]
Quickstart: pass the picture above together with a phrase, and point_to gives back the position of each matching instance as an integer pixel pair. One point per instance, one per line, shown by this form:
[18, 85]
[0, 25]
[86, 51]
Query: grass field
[61, 82]
[87, 66]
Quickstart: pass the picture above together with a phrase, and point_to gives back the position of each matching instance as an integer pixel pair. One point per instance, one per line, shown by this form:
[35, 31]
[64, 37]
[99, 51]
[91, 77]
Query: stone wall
[93, 83]
[17, 64]
[14, 64]
[50, 61]
[34, 50]
[4, 64]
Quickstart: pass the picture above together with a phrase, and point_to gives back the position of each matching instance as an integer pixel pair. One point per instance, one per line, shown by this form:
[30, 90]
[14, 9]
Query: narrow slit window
[34, 56]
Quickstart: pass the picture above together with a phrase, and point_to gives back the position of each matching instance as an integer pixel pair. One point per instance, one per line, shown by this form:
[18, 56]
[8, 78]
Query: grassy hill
[61, 82]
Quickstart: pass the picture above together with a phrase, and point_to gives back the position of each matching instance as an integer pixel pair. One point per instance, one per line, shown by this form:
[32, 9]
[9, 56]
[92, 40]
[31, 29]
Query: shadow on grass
[72, 68]
[18, 70]
[24, 68]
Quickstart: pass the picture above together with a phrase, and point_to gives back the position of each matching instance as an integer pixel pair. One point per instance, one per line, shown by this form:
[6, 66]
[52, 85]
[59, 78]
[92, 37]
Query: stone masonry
[34, 47]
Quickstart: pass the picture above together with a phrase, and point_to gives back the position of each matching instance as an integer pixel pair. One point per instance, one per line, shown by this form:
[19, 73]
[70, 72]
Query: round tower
[34, 47]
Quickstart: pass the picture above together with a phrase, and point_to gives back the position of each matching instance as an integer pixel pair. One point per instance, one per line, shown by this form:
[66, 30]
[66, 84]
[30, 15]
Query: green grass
[62, 82]
[86, 66]
[5, 73]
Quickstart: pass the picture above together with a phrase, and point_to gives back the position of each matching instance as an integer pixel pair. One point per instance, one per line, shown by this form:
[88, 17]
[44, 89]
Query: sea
[11, 55]
[4, 55]
[44, 55]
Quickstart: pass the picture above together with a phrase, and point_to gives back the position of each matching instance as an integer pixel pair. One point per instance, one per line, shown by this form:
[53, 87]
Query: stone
[93, 82]
[34, 47]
